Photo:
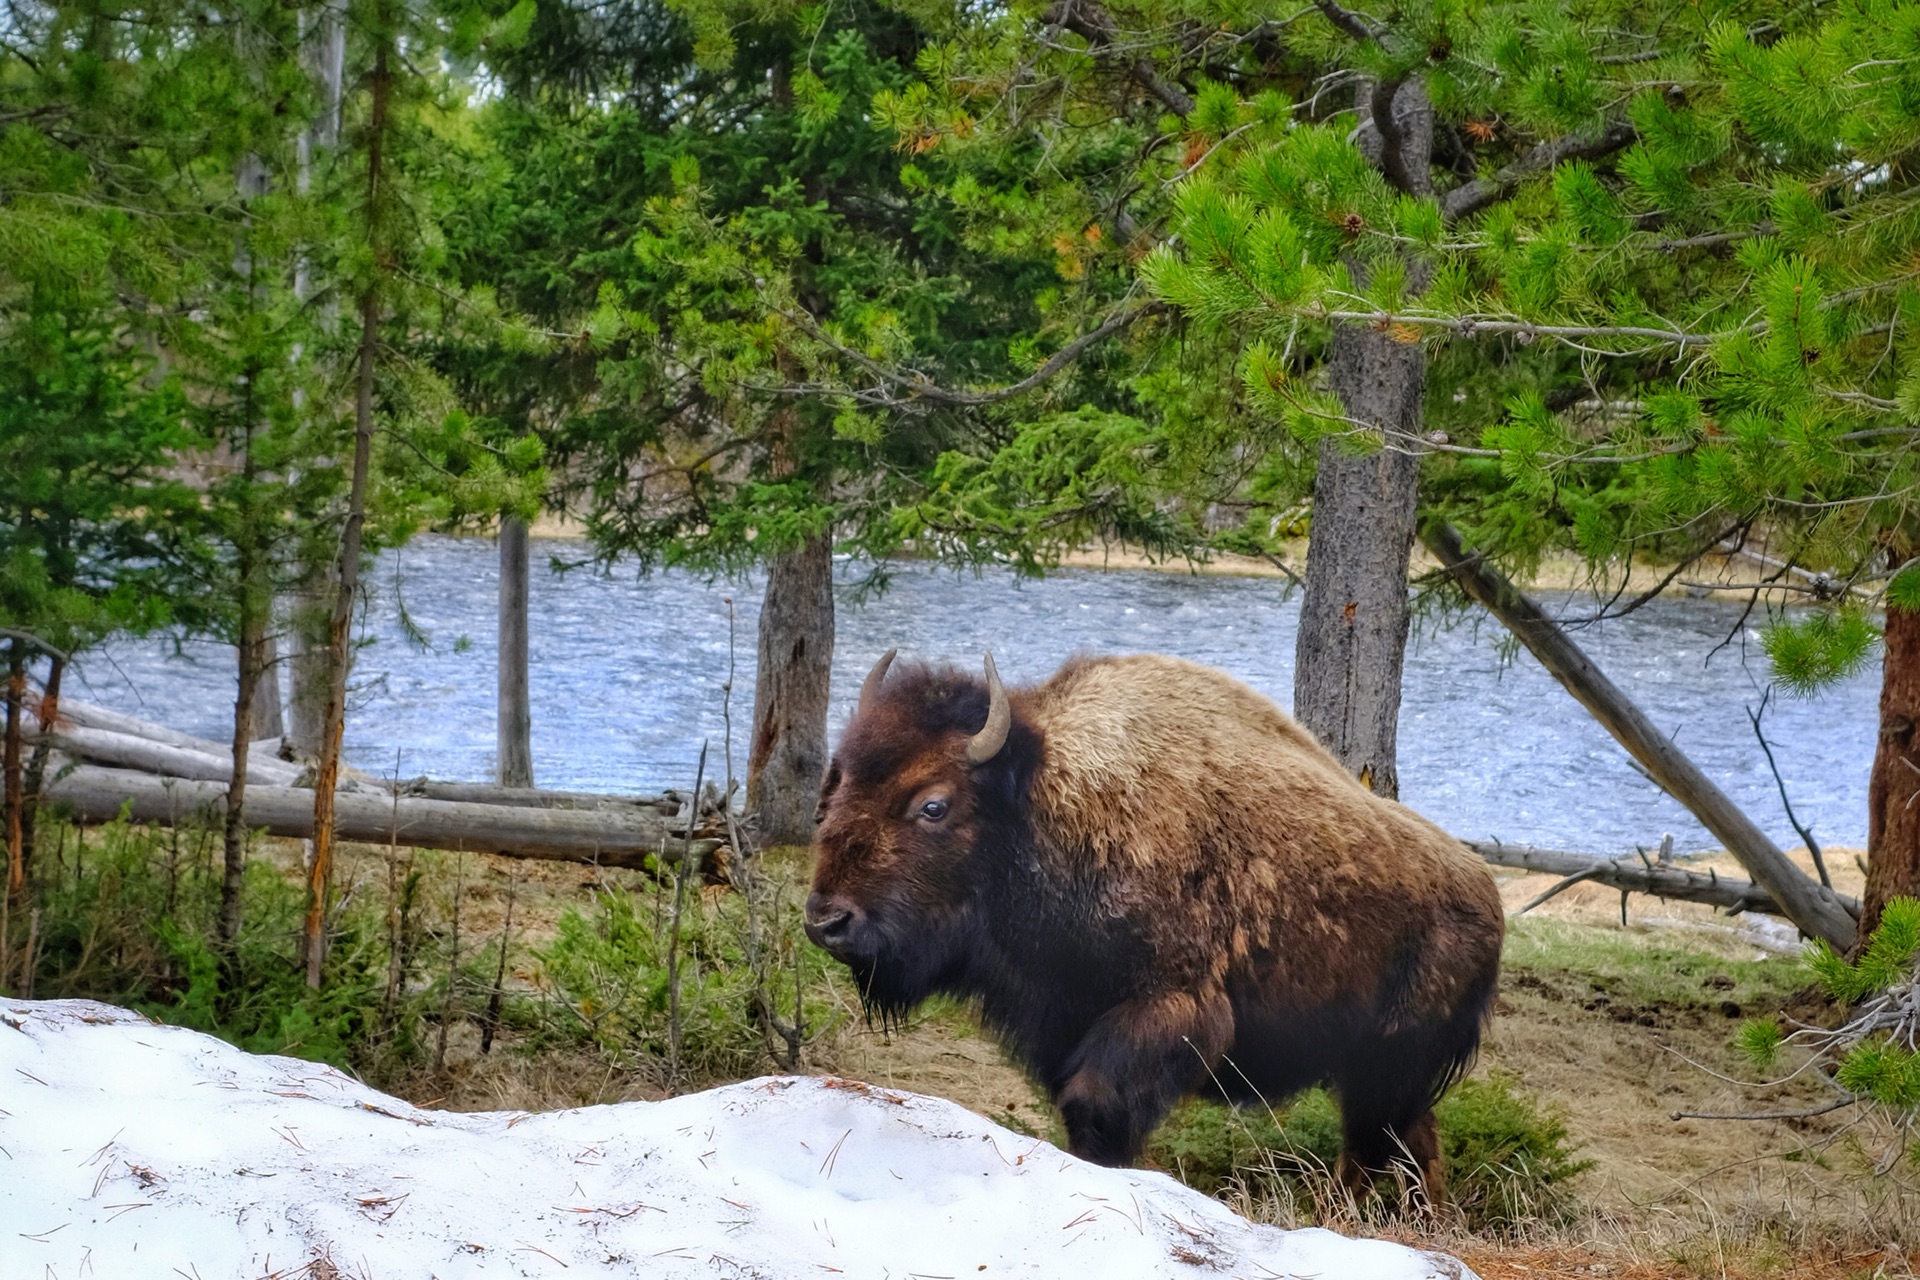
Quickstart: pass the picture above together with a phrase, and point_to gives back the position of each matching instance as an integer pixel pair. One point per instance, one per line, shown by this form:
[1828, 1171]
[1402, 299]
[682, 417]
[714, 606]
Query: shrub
[608, 966]
[1509, 1162]
[1870, 1057]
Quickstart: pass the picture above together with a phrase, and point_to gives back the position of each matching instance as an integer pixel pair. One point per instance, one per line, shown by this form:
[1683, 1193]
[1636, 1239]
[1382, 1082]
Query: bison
[1151, 880]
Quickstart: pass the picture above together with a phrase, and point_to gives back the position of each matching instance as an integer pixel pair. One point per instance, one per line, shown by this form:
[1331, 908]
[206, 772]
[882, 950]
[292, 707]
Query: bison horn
[870, 691]
[986, 744]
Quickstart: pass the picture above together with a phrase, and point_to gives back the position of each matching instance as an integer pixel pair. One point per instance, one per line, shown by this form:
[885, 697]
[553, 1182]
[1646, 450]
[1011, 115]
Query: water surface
[627, 675]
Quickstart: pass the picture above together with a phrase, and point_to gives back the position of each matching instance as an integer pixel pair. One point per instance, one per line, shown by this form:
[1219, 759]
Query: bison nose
[829, 921]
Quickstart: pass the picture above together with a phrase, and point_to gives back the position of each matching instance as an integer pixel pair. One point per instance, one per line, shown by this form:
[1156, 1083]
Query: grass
[1630, 969]
[573, 997]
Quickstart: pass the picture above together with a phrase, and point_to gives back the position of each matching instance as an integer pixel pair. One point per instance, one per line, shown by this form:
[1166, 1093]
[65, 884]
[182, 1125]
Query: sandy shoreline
[1727, 574]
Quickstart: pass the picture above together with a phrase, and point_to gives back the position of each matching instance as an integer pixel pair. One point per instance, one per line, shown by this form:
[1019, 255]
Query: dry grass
[1614, 1029]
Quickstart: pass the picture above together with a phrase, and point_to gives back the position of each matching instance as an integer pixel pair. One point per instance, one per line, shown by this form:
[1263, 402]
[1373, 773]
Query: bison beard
[1152, 882]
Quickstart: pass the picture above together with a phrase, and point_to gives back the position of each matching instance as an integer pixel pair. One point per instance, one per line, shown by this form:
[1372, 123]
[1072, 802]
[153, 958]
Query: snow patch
[130, 1149]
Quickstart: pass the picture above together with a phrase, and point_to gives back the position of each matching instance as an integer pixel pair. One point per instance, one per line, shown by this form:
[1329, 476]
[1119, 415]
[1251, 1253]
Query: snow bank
[133, 1150]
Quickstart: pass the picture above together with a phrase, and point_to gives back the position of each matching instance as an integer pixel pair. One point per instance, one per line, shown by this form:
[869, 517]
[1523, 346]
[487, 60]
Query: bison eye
[934, 810]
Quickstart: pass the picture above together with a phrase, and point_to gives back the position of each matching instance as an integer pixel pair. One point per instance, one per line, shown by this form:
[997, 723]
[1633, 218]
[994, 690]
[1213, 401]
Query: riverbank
[476, 982]
[1711, 575]
[1611, 1029]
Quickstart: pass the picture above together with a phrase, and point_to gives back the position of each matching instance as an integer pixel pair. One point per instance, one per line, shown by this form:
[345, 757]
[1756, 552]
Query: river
[627, 675]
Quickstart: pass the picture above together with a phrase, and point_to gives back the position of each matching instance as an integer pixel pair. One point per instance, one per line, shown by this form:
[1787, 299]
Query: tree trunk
[514, 752]
[269, 717]
[1352, 641]
[10, 765]
[1809, 904]
[1351, 647]
[252, 655]
[789, 753]
[347, 573]
[307, 675]
[49, 713]
[629, 837]
[1893, 812]
[1635, 876]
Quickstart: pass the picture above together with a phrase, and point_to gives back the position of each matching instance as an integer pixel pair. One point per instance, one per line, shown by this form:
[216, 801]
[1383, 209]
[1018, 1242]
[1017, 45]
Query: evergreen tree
[94, 528]
[736, 245]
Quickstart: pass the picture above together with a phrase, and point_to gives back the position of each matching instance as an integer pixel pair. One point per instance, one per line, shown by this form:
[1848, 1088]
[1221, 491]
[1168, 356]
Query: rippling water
[627, 675]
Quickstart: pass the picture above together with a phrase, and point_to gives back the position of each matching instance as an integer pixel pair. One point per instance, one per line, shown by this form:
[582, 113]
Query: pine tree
[729, 265]
[94, 528]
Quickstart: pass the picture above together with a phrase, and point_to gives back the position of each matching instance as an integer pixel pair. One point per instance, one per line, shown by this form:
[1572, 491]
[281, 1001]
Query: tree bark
[514, 750]
[347, 573]
[1635, 876]
[608, 838]
[252, 661]
[10, 765]
[306, 675]
[789, 754]
[269, 715]
[120, 751]
[1351, 646]
[1893, 812]
[1817, 911]
[49, 711]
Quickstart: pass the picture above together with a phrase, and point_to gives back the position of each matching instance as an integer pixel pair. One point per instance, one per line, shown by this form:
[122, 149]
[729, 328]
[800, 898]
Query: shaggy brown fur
[1160, 883]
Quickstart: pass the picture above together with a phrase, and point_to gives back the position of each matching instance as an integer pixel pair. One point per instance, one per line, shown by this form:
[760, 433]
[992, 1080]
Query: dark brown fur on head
[912, 886]
[1158, 883]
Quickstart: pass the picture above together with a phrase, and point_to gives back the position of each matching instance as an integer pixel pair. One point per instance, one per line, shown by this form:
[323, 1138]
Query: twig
[1561, 887]
[29, 639]
[453, 963]
[498, 996]
[673, 932]
[1762, 1115]
[1813, 847]
[917, 387]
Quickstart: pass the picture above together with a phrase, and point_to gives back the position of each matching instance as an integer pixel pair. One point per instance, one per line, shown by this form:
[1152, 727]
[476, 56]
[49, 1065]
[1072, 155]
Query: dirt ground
[1618, 1029]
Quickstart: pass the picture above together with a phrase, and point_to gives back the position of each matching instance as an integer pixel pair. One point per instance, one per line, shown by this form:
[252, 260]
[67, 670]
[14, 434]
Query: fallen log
[1663, 880]
[88, 715]
[608, 838]
[536, 798]
[120, 750]
[1816, 909]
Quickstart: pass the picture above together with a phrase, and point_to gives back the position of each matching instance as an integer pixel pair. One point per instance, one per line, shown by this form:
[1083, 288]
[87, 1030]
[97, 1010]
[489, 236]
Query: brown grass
[1616, 1046]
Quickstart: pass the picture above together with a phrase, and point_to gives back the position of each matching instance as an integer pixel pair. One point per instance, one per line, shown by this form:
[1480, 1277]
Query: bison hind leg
[1410, 1146]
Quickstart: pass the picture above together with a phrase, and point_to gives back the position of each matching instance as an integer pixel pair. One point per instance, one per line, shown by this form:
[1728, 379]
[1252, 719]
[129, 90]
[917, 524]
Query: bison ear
[1002, 781]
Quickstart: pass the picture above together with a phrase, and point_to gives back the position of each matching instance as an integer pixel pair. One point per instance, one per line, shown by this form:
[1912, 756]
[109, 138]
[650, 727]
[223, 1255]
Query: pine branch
[1481, 192]
[1469, 326]
[917, 387]
[1090, 20]
[1350, 22]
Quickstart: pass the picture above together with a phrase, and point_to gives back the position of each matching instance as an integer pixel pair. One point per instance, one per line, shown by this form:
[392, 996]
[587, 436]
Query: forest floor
[1612, 1028]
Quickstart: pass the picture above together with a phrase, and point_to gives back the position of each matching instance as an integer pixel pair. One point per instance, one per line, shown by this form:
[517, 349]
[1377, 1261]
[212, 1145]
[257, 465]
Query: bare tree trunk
[347, 579]
[269, 718]
[1893, 814]
[252, 654]
[514, 751]
[323, 48]
[1809, 904]
[49, 714]
[1352, 641]
[1351, 647]
[789, 753]
[10, 764]
[307, 675]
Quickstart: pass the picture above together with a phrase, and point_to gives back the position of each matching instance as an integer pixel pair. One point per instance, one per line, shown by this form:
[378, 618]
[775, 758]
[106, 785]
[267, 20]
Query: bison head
[920, 814]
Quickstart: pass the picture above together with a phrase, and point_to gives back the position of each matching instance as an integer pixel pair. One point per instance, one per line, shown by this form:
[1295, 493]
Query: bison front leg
[1137, 1061]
